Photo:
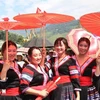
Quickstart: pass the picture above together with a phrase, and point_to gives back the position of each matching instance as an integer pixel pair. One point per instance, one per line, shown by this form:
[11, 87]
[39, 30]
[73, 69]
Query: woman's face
[36, 57]
[83, 47]
[19, 58]
[60, 48]
[12, 51]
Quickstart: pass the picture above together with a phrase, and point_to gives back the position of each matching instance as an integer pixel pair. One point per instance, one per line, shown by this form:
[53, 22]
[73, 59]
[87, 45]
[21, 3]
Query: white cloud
[75, 8]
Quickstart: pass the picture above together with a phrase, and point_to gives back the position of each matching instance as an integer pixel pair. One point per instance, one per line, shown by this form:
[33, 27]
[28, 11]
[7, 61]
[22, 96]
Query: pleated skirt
[10, 98]
[32, 97]
[89, 93]
[63, 92]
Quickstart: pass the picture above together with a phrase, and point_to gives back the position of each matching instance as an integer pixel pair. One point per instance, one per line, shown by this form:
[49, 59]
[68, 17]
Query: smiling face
[36, 57]
[60, 48]
[12, 50]
[83, 47]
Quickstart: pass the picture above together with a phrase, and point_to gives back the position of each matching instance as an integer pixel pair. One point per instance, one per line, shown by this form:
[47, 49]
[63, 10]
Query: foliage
[60, 30]
[2, 35]
[11, 36]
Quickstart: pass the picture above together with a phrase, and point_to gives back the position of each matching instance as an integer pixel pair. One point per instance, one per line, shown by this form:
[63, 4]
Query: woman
[64, 66]
[34, 78]
[97, 73]
[20, 59]
[9, 73]
[86, 67]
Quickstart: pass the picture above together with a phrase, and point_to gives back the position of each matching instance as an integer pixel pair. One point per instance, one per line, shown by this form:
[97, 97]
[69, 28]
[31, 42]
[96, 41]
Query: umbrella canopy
[22, 26]
[75, 34]
[91, 22]
[7, 25]
[44, 18]
[36, 41]
[13, 25]
[16, 25]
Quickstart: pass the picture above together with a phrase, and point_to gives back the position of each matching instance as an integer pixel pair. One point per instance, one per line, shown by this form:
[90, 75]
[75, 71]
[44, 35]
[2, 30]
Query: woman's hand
[97, 71]
[6, 66]
[43, 57]
[78, 98]
[78, 95]
[98, 60]
[43, 93]
[43, 52]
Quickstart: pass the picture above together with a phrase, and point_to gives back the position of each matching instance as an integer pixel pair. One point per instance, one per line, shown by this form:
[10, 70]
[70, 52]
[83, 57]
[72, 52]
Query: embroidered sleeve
[26, 78]
[74, 74]
[48, 67]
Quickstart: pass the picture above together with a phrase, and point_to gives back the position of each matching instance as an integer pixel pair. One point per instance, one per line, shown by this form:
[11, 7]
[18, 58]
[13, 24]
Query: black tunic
[87, 70]
[13, 81]
[32, 78]
[67, 67]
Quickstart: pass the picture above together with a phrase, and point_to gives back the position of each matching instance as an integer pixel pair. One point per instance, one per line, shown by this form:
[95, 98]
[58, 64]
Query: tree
[11, 36]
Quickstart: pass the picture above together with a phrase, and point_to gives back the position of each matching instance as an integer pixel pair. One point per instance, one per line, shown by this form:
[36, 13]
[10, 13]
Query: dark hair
[31, 49]
[58, 40]
[84, 39]
[4, 45]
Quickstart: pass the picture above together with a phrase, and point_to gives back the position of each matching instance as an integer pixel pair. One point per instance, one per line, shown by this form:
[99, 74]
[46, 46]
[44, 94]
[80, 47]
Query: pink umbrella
[75, 34]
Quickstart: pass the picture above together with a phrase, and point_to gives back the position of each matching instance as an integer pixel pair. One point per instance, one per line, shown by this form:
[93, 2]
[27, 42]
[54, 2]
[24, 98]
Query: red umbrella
[75, 34]
[22, 26]
[44, 18]
[13, 25]
[51, 85]
[91, 22]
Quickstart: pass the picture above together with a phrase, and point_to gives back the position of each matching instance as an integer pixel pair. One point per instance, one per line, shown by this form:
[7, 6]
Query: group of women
[79, 74]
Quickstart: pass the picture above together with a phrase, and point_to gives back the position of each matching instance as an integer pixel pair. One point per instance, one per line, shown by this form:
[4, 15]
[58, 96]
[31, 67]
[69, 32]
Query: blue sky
[76, 8]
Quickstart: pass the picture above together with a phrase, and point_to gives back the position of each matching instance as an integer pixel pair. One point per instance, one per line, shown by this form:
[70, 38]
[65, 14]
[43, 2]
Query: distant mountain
[53, 28]
[20, 32]
[63, 27]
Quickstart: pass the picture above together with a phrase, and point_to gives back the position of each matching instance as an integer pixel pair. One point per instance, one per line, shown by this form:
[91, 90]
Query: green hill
[53, 30]
[57, 30]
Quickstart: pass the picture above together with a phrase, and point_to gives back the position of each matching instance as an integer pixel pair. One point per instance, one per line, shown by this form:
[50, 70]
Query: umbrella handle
[7, 45]
[57, 80]
[39, 98]
[43, 36]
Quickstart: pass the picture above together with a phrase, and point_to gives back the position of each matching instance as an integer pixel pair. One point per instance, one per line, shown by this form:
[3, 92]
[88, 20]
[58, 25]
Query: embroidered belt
[10, 91]
[85, 81]
[63, 79]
